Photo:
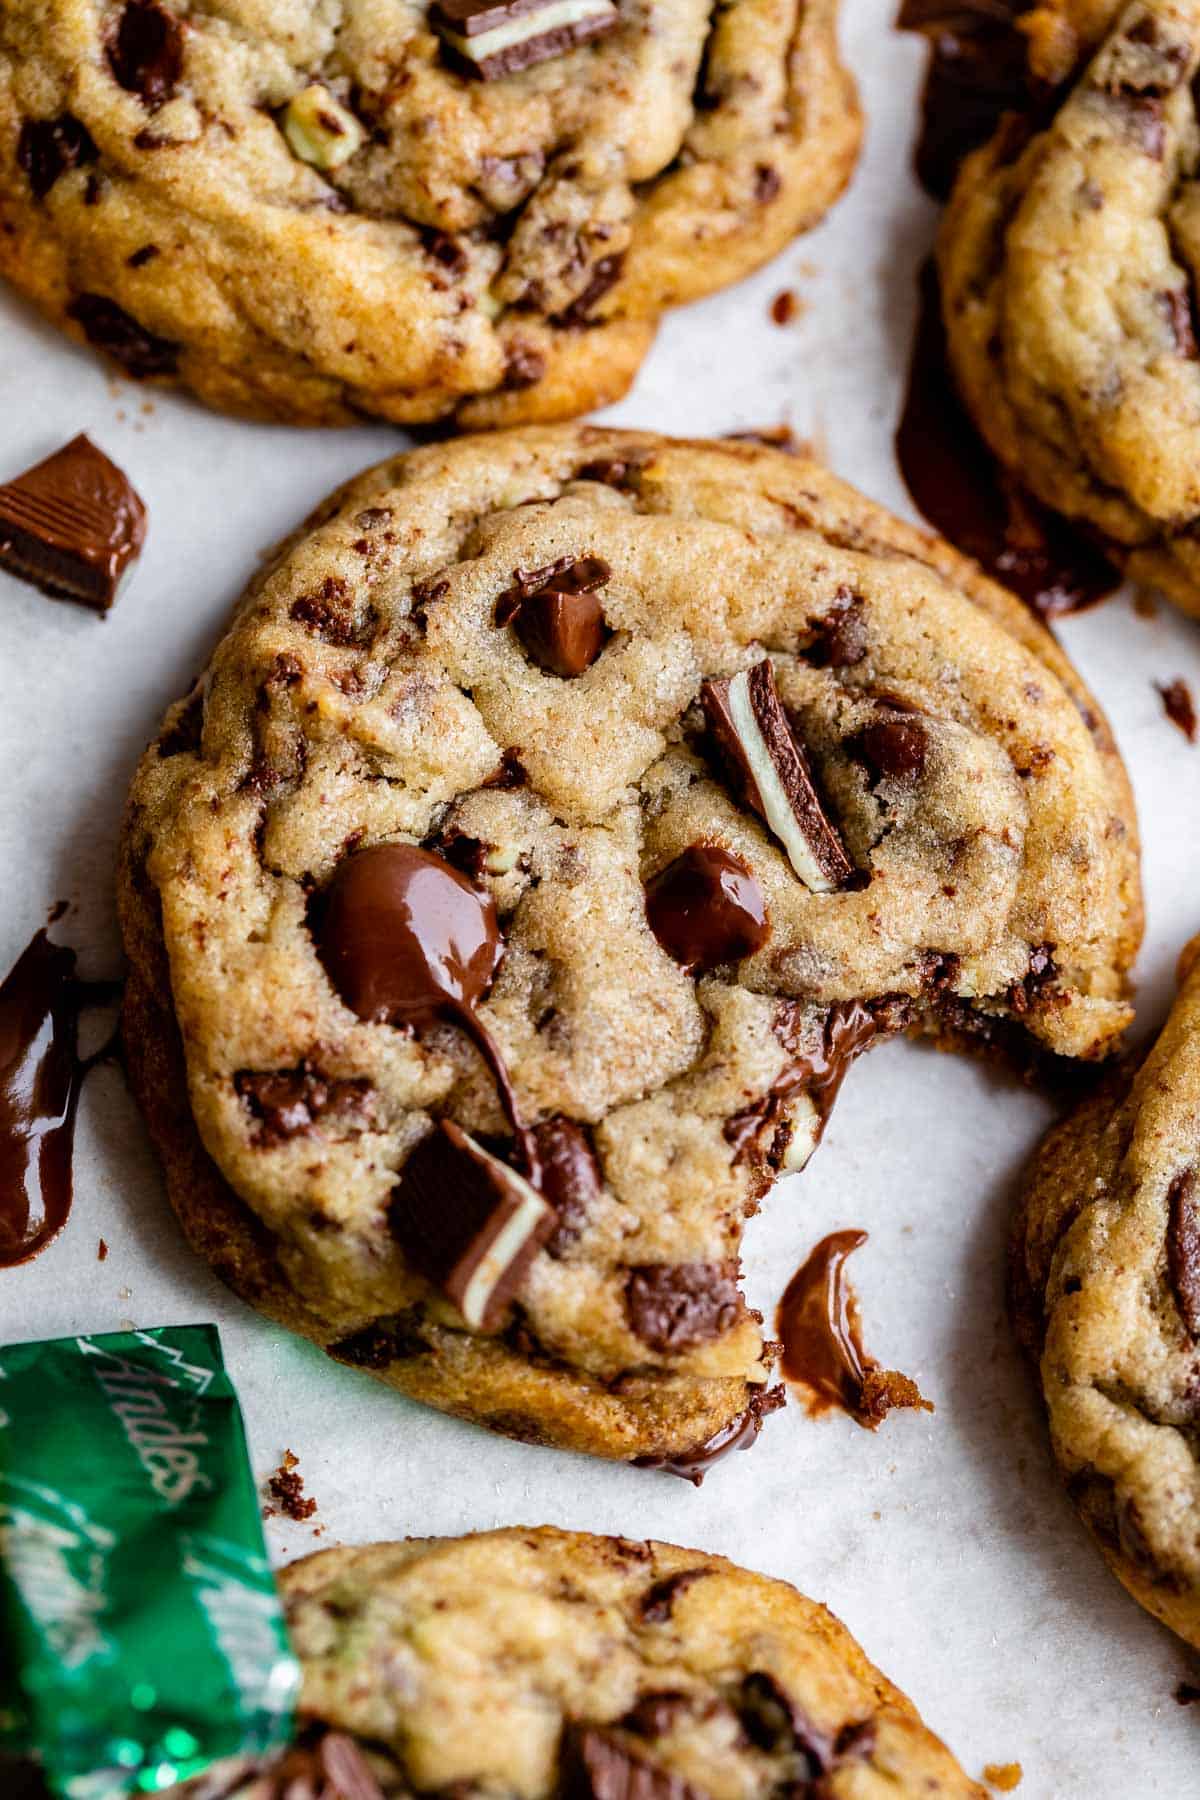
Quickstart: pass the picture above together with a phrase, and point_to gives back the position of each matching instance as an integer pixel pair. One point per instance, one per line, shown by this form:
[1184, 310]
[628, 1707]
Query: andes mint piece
[490, 38]
[468, 1222]
[598, 1766]
[71, 525]
[706, 908]
[555, 613]
[674, 1306]
[747, 719]
[145, 53]
[1183, 1249]
[48, 148]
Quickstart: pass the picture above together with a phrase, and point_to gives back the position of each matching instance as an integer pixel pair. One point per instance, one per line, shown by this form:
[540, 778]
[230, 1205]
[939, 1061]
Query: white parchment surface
[943, 1541]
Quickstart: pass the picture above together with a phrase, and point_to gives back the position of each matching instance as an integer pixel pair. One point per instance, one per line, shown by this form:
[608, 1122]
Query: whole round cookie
[1068, 264]
[474, 210]
[1106, 1296]
[562, 812]
[543, 1662]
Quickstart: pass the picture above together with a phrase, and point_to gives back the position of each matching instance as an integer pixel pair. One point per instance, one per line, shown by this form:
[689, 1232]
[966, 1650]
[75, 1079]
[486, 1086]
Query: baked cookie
[1106, 1296]
[468, 211]
[1068, 264]
[560, 815]
[542, 1662]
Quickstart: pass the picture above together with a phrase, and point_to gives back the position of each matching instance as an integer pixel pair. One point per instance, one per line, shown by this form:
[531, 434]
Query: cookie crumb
[1005, 1776]
[1180, 708]
[102, 1251]
[786, 307]
[286, 1486]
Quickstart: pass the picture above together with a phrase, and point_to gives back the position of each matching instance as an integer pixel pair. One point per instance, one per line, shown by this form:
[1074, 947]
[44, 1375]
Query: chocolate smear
[1180, 708]
[706, 909]
[957, 484]
[1183, 1249]
[739, 1434]
[71, 525]
[771, 772]
[556, 615]
[468, 1222]
[977, 72]
[145, 53]
[492, 38]
[819, 1326]
[41, 1076]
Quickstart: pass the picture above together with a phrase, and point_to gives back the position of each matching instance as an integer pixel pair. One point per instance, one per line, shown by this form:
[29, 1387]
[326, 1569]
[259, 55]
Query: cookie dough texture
[539, 1662]
[1068, 266]
[364, 693]
[402, 240]
[1106, 1295]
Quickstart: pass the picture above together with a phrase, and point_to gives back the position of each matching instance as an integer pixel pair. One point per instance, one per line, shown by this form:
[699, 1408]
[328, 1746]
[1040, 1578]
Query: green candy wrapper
[141, 1637]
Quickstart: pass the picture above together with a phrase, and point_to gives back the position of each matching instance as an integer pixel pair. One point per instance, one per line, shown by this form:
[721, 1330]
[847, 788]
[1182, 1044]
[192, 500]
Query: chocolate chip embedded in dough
[706, 909]
[140, 352]
[145, 52]
[48, 148]
[674, 1306]
[1183, 1249]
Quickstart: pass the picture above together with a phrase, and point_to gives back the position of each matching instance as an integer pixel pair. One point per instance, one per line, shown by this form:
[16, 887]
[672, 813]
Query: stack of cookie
[565, 807]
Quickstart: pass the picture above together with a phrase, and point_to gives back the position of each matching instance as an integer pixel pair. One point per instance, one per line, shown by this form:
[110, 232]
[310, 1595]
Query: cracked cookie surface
[930, 829]
[539, 1662]
[1106, 1296]
[302, 211]
[1068, 265]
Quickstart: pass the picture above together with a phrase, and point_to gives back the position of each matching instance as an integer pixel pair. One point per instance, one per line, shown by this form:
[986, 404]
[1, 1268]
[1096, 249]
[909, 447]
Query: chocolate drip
[819, 1326]
[956, 483]
[739, 1434]
[41, 1076]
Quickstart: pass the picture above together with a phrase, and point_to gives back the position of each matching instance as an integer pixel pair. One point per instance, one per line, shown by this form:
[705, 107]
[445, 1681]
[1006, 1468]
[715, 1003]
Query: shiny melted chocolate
[407, 940]
[706, 908]
[821, 1334]
[41, 1076]
[740, 1433]
[977, 73]
[957, 484]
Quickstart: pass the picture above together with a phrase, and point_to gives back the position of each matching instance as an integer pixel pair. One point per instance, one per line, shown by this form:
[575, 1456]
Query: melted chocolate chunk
[110, 328]
[706, 909]
[740, 1434]
[394, 1339]
[819, 1326]
[72, 525]
[468, 1223]
[145, 53]
[771, 773]
[674, 1306]
[597, 1766]
[1183, 1249]
[556, 615]
[894, 749]
[569, 1178]
[289, 1103]
[977, 72]
[41, 1075]
[658, 1602]
[774, 1722]
[956, 483]
[1176, 697]
[48, 148]
[850, 1026]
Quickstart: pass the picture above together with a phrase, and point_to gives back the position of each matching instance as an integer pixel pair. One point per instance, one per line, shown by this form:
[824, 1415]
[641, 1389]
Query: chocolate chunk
[110, 328]
[606, 273]
[555, 613]
[71, 525]
[333, 613]
[524, 365]
[1176, 697]
[48, 148]
[1176, 307]
[706, 908]
[290, 1103]
[894, 749]
[468, 1222]
[741, 1433]
[674, 1306]
[840, 640]
[774, 1722]
[145, 53]
[654, 1715]
[597, 1766]
[770, 769]
[658, 1602]
[569, 1178]
[1183, 1249]
[491, 38]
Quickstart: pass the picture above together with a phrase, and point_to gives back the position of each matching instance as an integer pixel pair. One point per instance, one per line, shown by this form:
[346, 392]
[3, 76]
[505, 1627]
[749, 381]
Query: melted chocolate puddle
[957, 484]
[977, 73]
[41, 1076]
[819, 1326]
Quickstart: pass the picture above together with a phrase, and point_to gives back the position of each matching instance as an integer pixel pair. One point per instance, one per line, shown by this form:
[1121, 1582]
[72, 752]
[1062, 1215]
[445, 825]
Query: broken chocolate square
[555, 613]
[746, 717]
[468, 1222]
[491, 38]
[71, 525]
